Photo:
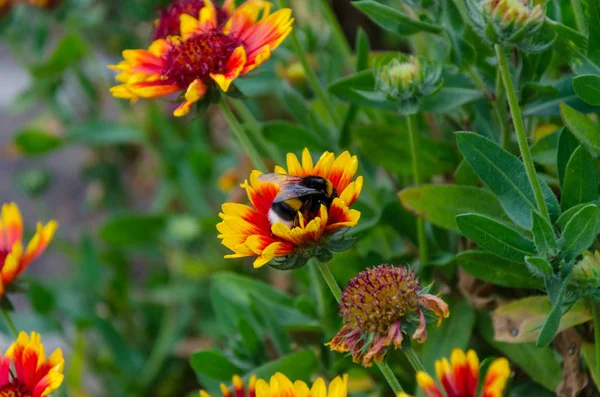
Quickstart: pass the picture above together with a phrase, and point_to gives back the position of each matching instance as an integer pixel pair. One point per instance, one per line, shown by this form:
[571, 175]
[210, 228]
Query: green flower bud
[508, 22]
[405, 80]
[586, 274]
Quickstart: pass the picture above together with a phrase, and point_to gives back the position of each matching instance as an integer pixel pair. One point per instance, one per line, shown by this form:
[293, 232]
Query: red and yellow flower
[205, 53]
[460, 377]
[14, 261]
[280, 386]
[34, 375]
[247, 231]
[168, 22]
[239, 389]
[380, 307]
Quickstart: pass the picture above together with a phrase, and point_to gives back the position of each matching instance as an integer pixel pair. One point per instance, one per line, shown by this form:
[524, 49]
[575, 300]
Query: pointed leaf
[587, 87]
[582, 127]
[393, 20]
[580, 232]
[543, 236]
[495, 237]
[566, 146]
[538, 266]
[505, 175]
[552, 322]
[580, 182]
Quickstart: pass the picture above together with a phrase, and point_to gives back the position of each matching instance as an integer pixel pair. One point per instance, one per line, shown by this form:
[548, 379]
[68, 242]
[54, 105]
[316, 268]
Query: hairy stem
[515, 110]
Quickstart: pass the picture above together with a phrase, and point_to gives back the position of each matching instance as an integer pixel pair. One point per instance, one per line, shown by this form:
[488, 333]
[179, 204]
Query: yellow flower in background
[13, 257]
[288, 229]
[280, 386]
[205, 54]
[34, 375]
[238, 388]
[460, 377]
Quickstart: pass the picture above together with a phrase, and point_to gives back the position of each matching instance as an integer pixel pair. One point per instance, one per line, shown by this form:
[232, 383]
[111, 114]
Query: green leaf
[587, 87]
[539, 266]
[290, 137]
[448, 99]
[35, 142]
[549, 106]
[455, 332]
[132, 229]
[69, 51]
[540, 363]
[214, 365]
[495, 237]
[580, 181]
[463, 53]
[297, 366]
[101, 133]
[592, 12]
[519, 321]
[41, 298]
[571, 45]
[301, 111]
[385, 145]
[566, 146]
[496, 270]
[544, 149]
[543, 236]
[582, 127]
[580, 232]
[588, 351]
[394, 20]
[552, 322]
[562, 221]
[440, 204]
[277, 334]
[505, 175]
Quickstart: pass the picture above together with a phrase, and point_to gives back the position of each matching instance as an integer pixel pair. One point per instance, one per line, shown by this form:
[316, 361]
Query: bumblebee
[298, 195]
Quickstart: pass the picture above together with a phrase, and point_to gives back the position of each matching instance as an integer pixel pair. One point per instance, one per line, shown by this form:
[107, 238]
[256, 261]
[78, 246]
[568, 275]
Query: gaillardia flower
[206, 53]
[508, 22]
[34, 375]
[281, 386]
[380, 307]
[168, 22]
[257, 230]
[460, 377]
[12, 258]
[238, 388]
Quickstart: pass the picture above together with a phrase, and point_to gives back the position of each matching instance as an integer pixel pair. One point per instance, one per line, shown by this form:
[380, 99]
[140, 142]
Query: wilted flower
[405, 80]
[460, 377]
[280, 386]
[168, 23]
[238, 388]
[380, 307]
[14, 261]
[205, 54]
[508, 22]
[255, 231]
[34, 375]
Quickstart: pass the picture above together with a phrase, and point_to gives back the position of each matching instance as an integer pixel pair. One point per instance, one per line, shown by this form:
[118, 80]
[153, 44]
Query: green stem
[337, 293]
[579, 17]
[500, 112]
[414, 360]
[390, 377]
[414, 152]
[310, 73]
[596, 319]
[338, 34]
[242, 138]
[326, 317]
[9, 323]
[255, 127]
[515, 110]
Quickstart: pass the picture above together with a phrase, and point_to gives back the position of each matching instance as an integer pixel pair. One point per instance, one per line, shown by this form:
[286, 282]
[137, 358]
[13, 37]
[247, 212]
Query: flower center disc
[168, 23]
[199, 56]
[14, 390]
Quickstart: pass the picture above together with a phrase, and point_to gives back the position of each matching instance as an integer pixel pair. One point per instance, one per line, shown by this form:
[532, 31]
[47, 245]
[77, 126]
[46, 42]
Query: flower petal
[194, 93]
[234, 67]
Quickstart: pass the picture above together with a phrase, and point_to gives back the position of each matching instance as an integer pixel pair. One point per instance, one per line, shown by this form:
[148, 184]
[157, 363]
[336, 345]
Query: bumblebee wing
[279, 179]
[293, 191]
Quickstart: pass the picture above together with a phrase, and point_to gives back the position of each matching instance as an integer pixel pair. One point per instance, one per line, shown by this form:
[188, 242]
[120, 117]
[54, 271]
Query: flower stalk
[9, 323]
[242, 138]
[415, 155]
[311, 75]
[515, 110]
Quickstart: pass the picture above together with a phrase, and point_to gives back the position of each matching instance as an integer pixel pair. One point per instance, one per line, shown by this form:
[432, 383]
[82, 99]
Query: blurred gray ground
[63, 200]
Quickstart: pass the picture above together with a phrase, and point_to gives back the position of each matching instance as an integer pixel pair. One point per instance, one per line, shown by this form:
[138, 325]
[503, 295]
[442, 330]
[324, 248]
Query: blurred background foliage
[139, 293]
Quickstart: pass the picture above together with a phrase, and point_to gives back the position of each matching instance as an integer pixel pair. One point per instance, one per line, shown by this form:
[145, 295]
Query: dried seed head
[379, 297]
